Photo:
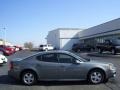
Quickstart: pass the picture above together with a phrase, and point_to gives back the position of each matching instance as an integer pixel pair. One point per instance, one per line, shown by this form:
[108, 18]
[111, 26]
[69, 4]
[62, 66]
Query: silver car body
[60, 71]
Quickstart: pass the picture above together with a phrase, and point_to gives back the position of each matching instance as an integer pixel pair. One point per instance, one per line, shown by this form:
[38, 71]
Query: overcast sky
[30, 20]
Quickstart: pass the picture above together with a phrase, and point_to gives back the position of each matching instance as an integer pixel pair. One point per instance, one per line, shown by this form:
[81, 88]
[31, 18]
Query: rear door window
[49, 58]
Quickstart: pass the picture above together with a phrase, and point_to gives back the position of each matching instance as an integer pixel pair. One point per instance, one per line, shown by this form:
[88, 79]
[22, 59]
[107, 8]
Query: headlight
[111, 66]
[1, 61]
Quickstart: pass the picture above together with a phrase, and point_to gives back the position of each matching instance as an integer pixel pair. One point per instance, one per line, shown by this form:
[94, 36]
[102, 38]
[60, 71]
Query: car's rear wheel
[29, 78]
[113, 51]
[96, 76]
[46, 49]
[100, 51]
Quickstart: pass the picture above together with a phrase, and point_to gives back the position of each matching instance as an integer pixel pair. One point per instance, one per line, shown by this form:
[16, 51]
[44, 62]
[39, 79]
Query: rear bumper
[14, 74]
[10, 53]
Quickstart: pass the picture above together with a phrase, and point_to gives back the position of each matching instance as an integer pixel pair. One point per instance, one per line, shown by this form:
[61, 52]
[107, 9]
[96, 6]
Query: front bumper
[112, 73]
[1, 62]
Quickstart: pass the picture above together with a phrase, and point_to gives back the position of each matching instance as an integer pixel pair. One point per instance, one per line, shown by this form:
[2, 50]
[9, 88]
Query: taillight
[11, 65]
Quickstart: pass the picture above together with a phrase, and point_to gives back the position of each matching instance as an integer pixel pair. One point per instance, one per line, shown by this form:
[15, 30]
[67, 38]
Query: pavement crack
[108, 87]
[117, 86]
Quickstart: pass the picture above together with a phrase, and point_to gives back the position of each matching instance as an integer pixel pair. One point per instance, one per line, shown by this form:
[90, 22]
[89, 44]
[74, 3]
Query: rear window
[49, 45]
[41, 45]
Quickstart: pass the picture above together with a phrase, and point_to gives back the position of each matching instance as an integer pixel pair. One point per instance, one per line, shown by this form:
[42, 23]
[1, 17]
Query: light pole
[4, 29]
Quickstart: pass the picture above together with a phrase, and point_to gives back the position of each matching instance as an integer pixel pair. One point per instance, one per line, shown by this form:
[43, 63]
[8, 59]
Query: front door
[69, 70]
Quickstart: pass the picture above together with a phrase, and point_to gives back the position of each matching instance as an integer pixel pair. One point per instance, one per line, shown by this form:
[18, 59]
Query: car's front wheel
[96, 76]
[29, 78]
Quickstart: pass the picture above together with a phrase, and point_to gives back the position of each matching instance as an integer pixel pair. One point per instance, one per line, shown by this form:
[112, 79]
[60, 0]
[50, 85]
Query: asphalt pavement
[7, 83]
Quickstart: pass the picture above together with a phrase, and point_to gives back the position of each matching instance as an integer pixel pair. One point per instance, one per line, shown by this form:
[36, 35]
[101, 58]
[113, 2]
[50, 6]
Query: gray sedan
[61, 66]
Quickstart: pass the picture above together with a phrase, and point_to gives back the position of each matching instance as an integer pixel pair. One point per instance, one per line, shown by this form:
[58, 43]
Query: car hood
[98, 62]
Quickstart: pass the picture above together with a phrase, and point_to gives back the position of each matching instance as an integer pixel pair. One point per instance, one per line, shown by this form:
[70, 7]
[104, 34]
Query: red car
[6, 50]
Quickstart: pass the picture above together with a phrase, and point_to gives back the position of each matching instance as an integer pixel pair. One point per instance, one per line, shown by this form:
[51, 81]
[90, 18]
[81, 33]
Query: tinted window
[41, 45]
[49, 58]
[39, 57]
[45, 45]
[49, 45]
[64, 58]
[116, 42]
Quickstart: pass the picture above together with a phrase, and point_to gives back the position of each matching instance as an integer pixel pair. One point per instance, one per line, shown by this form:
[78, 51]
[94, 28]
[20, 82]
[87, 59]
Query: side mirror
[76, 62]
[88, 59]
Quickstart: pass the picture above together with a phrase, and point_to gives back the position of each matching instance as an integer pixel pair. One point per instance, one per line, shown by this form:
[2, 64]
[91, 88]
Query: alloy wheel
[28, 78]
[96, 77]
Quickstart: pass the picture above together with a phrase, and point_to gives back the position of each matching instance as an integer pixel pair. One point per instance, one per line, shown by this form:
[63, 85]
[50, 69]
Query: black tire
[100, 51]
[78, 50]
[106, 80]
[75, 50]
[33, 75]
[46, 49]
[100, 74]
[113, 51]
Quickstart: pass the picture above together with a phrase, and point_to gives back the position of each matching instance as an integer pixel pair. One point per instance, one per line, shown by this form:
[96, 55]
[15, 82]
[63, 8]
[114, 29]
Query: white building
[63, 38]
[99, 33]
[2, 42]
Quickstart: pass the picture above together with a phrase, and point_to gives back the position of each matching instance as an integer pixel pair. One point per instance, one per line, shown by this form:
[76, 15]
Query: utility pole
[4, 29]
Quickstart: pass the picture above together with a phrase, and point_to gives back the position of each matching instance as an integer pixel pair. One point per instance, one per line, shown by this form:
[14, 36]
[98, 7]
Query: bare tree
[28, 45]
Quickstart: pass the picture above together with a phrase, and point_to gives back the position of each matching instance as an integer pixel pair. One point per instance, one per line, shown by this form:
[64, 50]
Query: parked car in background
[82, 47]
[60, 65]
[3, 59]
[6, 50]
[112, 45]
[46, 47]
[18, 48]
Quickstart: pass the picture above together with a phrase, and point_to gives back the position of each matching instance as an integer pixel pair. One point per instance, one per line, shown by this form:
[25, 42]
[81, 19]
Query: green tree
[28, 45]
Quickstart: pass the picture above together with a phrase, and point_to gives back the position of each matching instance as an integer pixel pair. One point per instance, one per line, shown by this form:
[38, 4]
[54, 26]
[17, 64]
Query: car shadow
[62, 83]
[6, 80]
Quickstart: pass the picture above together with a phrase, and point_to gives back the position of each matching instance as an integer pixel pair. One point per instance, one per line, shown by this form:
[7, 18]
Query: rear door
[48, 66]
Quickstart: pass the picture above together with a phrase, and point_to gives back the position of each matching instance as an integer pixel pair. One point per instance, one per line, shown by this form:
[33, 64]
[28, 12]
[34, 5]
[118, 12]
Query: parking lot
[7, 83]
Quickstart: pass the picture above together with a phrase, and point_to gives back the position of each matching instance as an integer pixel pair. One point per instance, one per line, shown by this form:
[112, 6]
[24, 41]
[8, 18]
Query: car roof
[53, 51]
